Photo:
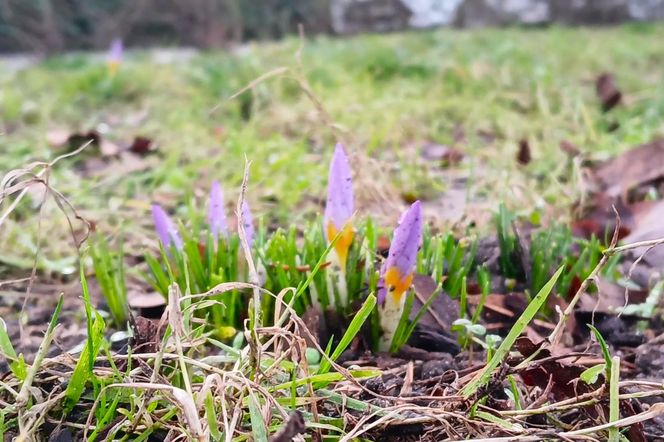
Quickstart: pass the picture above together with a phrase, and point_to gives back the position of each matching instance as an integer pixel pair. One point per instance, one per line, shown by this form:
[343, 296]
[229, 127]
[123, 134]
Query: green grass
[385, 95]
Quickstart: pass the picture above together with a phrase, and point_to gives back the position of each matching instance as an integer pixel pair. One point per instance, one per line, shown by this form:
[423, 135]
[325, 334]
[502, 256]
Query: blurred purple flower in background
[216, 215]
[248, 223]
[115, 54]
[339, 207]
[165, 228]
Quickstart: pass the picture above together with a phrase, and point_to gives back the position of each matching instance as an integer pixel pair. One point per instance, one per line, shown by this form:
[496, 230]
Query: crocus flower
[248, 223]
[115, 55]
[216, 215]
[168, 233]
[398, 270]
[339, 207]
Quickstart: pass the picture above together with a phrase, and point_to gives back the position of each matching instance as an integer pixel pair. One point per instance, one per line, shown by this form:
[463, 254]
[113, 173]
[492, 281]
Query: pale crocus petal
[216, 215]
[115, 54]
[165, 228]
[397, 271]
[339, 207]
[248, 222]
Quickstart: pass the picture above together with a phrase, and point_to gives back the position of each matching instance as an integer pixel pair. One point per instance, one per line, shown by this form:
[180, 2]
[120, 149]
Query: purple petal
[165, 228]
[405, 243]
[116, 50]
[248, 223]
[339, 207]
[216, 215]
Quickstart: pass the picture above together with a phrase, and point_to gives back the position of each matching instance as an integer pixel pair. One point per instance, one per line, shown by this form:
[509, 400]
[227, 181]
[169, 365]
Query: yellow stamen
[342, 246]
[396, 284]
[113, 67]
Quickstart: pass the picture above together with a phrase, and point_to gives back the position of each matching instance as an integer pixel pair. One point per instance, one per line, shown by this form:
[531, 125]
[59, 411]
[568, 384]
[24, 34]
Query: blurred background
[55, 25]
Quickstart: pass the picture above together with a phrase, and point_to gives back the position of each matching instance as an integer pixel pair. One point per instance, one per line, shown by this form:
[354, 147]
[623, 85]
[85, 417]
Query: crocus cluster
[216, 218]
[115, 54]
[398, 270]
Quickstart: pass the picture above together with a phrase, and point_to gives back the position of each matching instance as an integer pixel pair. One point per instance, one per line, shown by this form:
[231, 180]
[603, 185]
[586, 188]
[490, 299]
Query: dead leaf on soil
[141, 145]
[610, 298]
[445, 155]
[607, 92]
[146, 335]
[600, 219]
[524, 156]
[648, 225]
[569, 148]
[293, 427]
[631, 169]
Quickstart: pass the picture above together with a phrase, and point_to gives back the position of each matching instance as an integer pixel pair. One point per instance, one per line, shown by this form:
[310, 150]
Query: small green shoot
[591, 374]
[109, 271]
[16, 363]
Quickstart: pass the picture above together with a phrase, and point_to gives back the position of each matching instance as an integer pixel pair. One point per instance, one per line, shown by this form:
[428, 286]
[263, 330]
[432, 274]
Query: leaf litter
[532, 390]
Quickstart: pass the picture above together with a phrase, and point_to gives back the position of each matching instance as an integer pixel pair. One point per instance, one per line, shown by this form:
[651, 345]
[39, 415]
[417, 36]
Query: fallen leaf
[293, 427]
[610, 298]
[569, 148]
[77, 140]
[542, 371]
[607, 92]
[648, 226]
[523, 157]
[631, 169]
[600, 219]
[108, 148]
[58, 138]
[141, 145]
[445, 155]
[146, 335]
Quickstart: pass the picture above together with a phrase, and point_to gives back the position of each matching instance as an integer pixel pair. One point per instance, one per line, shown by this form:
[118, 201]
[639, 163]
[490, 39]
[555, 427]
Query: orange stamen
[342, 246]
[396, 284]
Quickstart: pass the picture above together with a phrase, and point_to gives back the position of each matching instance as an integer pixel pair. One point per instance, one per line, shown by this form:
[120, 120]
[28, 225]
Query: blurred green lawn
[385, 96]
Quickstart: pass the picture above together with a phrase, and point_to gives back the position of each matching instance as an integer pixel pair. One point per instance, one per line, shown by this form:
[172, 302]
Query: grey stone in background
[646, 9]
[431, 13]
[352, 16]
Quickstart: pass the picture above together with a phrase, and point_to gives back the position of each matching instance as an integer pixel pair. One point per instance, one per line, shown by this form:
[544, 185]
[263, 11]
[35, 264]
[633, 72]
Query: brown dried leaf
[607, 92]
[631, 169]
[141, 145]
[523, 156]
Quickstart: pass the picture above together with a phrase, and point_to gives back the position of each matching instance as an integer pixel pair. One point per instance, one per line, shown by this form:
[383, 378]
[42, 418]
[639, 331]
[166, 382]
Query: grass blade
[353, 329]
[614, 400]
[24, 394]
[525, 318]
[16, 364]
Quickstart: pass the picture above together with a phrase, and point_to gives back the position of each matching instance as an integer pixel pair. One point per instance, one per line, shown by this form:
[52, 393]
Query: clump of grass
[109, 272]
[548, 248]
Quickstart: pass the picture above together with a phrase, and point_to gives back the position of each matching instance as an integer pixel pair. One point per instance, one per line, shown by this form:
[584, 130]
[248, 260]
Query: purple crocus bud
[165, 228]
[398, 270]
[216, 215]
[115, 54]
[248, 221]
[339, 207]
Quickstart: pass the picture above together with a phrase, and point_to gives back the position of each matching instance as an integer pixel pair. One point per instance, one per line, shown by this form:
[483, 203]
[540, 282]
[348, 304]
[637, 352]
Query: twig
[635, 245]
[655, 410]
[556, 334]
